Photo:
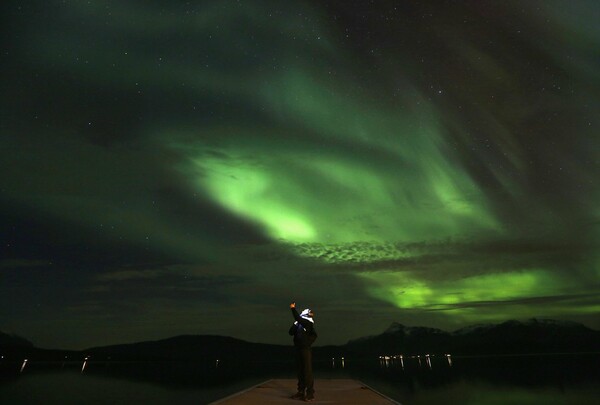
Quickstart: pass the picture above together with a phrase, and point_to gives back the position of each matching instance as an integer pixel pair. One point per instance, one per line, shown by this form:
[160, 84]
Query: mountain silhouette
[510, 337]
[13, 341]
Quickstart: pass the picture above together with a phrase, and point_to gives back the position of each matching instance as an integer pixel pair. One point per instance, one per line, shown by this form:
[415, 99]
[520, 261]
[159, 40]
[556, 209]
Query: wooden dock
[336, 391]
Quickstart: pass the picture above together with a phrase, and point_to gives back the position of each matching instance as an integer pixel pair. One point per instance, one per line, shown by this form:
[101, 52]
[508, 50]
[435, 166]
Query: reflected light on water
[342, 362]
[23, 365]
[397, 361]
[527, 380]
[84, 363]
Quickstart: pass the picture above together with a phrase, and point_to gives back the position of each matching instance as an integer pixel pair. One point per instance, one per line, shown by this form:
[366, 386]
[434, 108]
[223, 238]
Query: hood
[305, 315]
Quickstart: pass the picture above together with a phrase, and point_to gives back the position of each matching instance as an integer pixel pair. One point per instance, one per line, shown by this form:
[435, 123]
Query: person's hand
[293, 305]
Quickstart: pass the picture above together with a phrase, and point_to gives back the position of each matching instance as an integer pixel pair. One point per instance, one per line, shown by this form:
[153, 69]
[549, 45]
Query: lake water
[548, 379]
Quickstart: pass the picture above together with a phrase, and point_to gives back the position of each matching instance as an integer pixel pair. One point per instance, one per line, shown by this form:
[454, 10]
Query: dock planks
[335, 391]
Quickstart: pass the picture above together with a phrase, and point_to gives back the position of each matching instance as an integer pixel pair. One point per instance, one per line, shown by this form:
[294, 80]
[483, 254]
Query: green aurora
[426, 164]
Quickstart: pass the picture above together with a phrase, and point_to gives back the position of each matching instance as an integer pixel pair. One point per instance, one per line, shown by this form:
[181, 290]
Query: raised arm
[295, 313]
[298, 318]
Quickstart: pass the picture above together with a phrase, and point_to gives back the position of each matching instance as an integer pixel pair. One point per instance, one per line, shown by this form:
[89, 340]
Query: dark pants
[304, 367]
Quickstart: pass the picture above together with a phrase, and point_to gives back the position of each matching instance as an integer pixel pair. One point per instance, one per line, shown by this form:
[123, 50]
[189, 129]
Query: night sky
[192, 167]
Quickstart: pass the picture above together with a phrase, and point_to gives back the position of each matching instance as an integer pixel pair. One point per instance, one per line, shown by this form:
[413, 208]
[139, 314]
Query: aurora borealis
[191, 167]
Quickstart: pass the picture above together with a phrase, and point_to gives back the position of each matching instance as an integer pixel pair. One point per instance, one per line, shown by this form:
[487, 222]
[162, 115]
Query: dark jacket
[303, 331]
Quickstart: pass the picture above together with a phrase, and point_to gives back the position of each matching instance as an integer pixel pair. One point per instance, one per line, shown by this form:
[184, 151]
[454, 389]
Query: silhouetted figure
[303, 331]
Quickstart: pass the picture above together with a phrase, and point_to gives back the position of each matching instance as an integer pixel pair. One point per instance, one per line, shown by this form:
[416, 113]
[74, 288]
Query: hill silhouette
[510, 337]
[13, 341]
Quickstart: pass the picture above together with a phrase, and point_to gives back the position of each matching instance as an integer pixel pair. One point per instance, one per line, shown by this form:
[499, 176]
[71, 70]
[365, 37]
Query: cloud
[23, 263]
[126, 275]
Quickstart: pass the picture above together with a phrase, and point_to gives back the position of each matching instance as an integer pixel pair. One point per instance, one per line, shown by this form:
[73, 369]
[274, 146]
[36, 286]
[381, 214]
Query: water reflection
[342, 362]
[84, 364]
[387, 361]
[441, 378]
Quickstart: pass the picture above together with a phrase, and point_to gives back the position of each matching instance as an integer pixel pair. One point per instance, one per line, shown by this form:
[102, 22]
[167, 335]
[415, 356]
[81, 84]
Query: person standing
[303, 331]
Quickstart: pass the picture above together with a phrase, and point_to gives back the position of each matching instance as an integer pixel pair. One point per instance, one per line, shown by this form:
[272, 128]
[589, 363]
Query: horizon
[195, 166]
[288, 343]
